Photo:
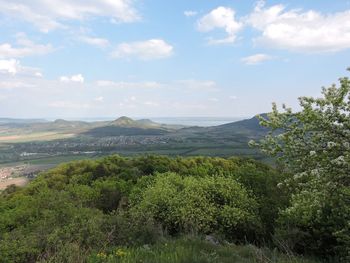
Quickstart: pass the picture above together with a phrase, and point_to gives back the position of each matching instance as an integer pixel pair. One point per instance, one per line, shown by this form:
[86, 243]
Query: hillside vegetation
[83, 209]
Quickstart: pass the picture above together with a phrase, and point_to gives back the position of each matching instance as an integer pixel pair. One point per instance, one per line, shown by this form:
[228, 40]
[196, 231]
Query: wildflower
[312, 153]
[101, 255]
[120, 253]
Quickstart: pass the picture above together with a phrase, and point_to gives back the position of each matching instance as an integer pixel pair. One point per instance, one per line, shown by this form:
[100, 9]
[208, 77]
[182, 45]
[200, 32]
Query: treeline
[79, 209]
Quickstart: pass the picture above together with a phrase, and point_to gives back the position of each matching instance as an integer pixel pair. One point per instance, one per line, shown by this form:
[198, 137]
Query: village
[13, 171]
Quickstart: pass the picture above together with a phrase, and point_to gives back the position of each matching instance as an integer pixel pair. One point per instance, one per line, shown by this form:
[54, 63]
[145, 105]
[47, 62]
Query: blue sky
[148, 58]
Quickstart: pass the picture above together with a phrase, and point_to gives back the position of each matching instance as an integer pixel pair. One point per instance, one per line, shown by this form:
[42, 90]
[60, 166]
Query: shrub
[318, 222]
[198, 205]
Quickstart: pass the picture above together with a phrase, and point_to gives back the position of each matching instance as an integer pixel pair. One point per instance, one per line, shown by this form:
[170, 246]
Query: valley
[41, 145]
[123, 136]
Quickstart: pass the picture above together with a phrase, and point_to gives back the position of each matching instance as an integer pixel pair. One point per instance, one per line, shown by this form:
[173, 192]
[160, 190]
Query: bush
[198, 205]
[318, 223]
[34, 227]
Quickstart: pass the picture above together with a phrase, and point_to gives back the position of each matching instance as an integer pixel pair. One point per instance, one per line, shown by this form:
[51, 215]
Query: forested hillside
[83, 211]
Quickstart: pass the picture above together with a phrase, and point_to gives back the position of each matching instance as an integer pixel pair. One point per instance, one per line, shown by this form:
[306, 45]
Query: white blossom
[315, 172]
[312, 153]
[331, 145]
[339, 161]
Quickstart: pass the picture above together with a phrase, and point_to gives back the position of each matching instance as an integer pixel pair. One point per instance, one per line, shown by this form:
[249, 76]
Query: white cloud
[49, 15]
[189, 13]
[213, 99]
[95, 41]
[145, 50]
[187, 85]
[99, 99]
[297, 30]
[26, 48]
[199, 85]
[15, 84]
[256, 59]
[106, 98]
[151, 103]
[190, 107]
[69, 105]
[38, 74]
[127, 85]
[232, 97]
[11, 66]
[74, 78]
[14, 67]
[220, 18]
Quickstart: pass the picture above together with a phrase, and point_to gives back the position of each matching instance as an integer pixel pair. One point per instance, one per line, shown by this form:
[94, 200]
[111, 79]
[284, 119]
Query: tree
[314, 145]
[204, 205]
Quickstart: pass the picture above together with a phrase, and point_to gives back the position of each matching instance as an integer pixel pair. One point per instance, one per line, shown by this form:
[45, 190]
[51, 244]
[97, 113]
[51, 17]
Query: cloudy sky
[144, 58]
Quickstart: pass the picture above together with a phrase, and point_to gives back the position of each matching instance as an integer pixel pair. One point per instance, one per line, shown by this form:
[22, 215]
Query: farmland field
[40, 136]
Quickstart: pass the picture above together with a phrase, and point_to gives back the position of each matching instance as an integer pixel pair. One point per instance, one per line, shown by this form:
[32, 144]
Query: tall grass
[187, 250]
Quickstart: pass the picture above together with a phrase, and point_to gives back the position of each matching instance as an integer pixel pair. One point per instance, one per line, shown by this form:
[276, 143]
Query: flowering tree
[314, 146]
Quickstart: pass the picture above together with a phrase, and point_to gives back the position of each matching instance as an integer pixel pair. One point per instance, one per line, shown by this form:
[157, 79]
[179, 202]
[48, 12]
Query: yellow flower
[101, 255]
[120, 252]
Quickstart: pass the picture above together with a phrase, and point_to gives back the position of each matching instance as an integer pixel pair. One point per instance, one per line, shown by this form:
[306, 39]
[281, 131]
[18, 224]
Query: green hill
[146, 209]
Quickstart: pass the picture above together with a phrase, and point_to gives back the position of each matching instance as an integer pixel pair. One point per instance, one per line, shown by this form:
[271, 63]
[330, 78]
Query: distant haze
[187, 121]
[196, 121]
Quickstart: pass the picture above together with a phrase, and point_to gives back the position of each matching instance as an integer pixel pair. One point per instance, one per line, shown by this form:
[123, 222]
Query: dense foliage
[87, 207]
[199, 205]
[314, 145]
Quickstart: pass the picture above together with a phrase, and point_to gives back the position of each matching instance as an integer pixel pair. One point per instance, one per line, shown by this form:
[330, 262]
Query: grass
[187, 250]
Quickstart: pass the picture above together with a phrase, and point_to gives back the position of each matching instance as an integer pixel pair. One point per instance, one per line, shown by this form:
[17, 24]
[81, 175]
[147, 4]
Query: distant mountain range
[126, 136]
[128, 127]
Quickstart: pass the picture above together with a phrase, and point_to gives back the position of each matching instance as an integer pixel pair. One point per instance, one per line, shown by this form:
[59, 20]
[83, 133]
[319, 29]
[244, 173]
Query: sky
[156, 58]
